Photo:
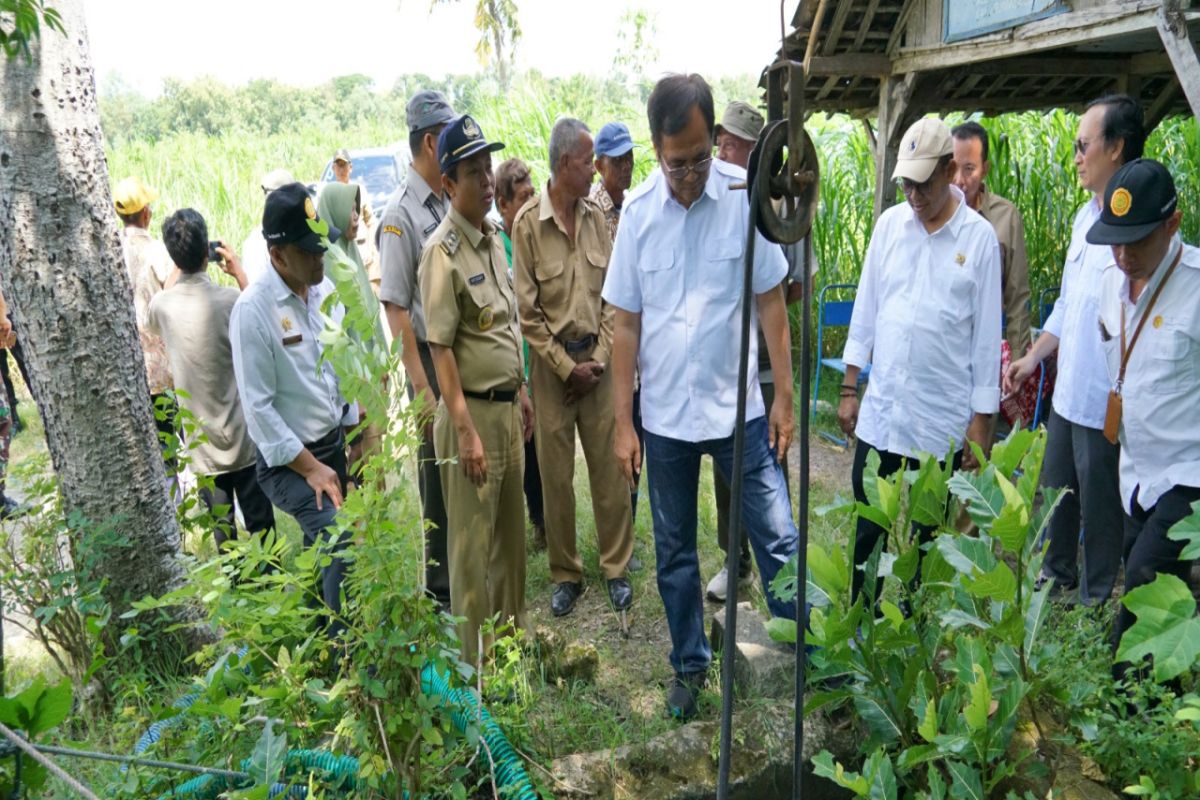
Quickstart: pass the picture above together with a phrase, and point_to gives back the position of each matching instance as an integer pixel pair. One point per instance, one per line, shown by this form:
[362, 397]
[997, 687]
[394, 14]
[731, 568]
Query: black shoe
[682, 696]
[562, 602]
[620, 593]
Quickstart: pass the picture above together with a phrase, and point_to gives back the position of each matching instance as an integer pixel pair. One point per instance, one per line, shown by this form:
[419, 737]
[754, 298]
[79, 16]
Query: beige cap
[276, 178]
[741, 120]
[926, 141]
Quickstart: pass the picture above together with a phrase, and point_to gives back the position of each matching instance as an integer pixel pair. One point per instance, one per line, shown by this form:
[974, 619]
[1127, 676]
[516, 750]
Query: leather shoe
[620, 593]
[683, 694]
[562, 602]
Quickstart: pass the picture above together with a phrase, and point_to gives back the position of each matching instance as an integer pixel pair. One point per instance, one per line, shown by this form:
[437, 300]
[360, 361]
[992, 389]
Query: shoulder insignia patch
[450, 242]
[475, 280]
[392, 229]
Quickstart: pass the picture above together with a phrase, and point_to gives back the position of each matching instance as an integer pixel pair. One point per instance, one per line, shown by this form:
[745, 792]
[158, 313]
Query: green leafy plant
[34, 711]
[938, 675]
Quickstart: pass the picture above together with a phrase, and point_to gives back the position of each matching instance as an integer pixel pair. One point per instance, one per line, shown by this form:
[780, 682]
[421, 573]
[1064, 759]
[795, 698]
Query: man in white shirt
[1078, 457]
[927, 320]
[294, 408]
[675, 279]
[1150, 292]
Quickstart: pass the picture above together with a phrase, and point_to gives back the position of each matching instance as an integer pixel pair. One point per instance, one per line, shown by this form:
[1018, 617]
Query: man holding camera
[192, 317]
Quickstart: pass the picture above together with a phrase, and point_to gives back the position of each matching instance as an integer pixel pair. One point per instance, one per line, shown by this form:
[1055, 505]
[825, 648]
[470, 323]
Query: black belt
[493, 396]
[578, 345]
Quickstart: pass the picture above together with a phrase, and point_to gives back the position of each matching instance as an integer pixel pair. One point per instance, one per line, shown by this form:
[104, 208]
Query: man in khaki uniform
[484, 414]
[561, 247]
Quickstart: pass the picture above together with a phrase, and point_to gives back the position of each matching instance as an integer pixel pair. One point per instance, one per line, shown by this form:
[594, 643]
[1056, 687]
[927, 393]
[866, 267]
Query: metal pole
[729, 644]
[56, 770]
[802, 520]
[143, 762]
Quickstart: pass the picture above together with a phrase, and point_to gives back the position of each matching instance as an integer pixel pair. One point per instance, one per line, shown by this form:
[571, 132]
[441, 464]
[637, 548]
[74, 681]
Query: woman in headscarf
[341, 205]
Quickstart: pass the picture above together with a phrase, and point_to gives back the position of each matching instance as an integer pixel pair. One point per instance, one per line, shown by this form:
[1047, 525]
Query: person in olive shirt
[513, 189]
[561, 246]
[484, 413]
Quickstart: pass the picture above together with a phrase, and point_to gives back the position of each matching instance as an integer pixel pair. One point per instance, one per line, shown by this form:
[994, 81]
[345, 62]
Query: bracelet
[849, 387]
[849, 394]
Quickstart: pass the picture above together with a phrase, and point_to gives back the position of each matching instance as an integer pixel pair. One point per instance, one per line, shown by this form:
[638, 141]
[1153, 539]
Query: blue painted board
[963, 19]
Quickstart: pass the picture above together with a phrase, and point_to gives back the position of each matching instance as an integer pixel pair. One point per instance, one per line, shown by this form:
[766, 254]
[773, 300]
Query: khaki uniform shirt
[559, 281]
[612, 214]
[469, 303]
[149, 267]
[192, 317]
[1014, 267]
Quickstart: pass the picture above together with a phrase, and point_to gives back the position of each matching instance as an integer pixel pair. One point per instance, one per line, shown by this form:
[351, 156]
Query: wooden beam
[814, 33]
[1173, 30]
[1158, 109]
[830, 84]
[835, 28]
[1059, 31]
[1150, 63]
[849, 64]
[1049, 66]
[901, 23]
[865, 26]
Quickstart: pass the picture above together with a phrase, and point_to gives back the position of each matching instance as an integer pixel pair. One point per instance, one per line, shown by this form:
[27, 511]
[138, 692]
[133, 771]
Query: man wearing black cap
[294, 409]
[1150, 328]
[484, 415]
[411, 215]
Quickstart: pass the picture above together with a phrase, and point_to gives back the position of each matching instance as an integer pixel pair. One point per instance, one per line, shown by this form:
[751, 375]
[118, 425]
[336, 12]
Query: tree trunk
[63, 275]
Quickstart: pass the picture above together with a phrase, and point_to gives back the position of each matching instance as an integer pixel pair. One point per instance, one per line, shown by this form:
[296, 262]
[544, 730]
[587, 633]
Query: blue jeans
[674, 468]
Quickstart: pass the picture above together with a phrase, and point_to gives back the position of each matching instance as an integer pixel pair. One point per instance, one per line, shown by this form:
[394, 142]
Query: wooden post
[1173, 30]
[896, 112]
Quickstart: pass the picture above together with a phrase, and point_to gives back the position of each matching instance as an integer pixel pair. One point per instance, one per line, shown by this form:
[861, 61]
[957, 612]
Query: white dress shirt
[289, 396]
[927, 320]
[1160, 415]
[256, 260]
[1081, 389]
[681, 269]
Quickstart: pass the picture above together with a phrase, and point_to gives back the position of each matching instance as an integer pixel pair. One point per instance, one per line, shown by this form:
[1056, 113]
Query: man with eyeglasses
[675, 278]
[927, 320]
[1078, 456]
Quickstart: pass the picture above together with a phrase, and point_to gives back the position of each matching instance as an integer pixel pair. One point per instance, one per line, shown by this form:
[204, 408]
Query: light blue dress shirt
[681, 269]
[289, 396]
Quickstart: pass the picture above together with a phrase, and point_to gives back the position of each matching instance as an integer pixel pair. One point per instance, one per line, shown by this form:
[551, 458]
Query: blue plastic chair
[833, 314]
[1046, 302]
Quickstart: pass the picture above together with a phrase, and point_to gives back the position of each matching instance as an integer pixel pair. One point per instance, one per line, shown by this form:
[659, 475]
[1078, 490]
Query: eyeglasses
[908, 187]
[679, 173]
[1081, 146]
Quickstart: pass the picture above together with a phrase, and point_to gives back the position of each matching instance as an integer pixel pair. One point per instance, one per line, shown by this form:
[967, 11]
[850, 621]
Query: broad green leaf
[878, 718]
[1188, 530]
[927, 495]
[1008, 453]
[889, 496]
[965, 783]
[781, 630]
[917, 755]
[937, 786]
[1166, 629]
[870, 474]
[980, 492]
[1012, 526]
[966, 554]
[976, 711]
[824, 767]
[53, 706]
[998, 584]
[928, 726]
[905, 567]
[266, 763]
[827, 569]
[882, 776]
[957, 618]
[874, 514]
[892, 613]
[1036, 615]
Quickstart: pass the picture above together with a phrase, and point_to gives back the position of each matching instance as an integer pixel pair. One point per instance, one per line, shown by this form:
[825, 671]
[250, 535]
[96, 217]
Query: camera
[213, 256]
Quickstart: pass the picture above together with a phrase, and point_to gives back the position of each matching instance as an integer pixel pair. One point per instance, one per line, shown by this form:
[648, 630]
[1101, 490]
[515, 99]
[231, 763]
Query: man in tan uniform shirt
[483, 416]
[561, 247]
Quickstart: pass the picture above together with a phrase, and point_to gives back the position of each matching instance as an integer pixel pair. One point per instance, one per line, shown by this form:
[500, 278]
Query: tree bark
[64, 277]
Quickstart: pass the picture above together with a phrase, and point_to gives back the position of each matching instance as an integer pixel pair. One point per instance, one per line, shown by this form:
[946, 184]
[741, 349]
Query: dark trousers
[867, 533]
[288, 490]
[1148, 551]
[641, 434]
[433, 501]
[240, 485]
[1080, 459]
[18, 355]
[674, 467]
[722, 493]
[533, 485]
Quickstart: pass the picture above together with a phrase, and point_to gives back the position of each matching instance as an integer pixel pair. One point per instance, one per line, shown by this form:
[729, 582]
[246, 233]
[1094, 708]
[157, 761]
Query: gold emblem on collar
[286, 324]
[487, 318]
[960, 259]
[1158, 320]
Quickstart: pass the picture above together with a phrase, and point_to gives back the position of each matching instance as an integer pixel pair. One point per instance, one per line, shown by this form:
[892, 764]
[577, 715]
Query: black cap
[1139, 198]
[461, 139]
[290, 217]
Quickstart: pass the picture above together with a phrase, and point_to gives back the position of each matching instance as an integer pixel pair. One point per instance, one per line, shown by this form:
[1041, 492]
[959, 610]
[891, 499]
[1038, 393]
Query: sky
[289, 40]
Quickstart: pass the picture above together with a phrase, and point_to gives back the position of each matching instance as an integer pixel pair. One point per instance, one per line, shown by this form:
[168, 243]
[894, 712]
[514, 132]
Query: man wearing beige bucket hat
[927, 321]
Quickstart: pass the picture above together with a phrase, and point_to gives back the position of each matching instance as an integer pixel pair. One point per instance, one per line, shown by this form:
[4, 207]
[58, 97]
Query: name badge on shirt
[475, 280]
[429, 229]
[295, 338]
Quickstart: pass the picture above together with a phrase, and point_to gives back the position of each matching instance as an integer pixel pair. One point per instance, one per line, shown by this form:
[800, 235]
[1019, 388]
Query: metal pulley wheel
[788, 183]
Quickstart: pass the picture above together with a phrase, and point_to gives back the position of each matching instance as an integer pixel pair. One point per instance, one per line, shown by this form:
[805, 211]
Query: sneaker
[620, 593]
[718, 587]
[683, 694]
[562, 602]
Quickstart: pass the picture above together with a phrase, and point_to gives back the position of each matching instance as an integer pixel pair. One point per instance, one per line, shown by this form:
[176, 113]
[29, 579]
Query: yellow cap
[131, 196]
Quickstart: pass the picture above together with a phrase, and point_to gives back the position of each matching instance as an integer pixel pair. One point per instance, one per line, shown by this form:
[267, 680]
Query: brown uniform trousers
[468, 298]
[558, 283]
